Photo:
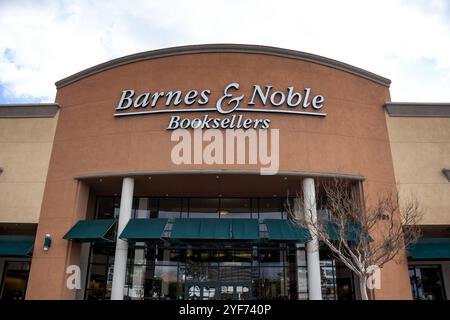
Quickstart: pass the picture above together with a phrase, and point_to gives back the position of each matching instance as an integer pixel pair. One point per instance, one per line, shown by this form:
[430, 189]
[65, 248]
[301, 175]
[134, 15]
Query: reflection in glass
[235, 208]
[273, 284]
[328, 280]
[100, 272]
[108, 207]
[204, 208]
[270, 208]
[163, 270]
[15, 279]
[169, 208]
[145, 208]
[426, 282]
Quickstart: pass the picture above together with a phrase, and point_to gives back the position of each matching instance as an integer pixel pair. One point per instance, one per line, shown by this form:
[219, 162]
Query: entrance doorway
[218, 291]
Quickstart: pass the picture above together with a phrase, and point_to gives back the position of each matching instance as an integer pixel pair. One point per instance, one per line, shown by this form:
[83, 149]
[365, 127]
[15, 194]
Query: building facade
[420, 145]
[26, 139]
[168, 174]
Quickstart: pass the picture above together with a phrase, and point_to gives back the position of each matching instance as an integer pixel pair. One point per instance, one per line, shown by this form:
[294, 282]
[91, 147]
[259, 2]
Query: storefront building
[420, 144]
[137, 188]
[26, 139]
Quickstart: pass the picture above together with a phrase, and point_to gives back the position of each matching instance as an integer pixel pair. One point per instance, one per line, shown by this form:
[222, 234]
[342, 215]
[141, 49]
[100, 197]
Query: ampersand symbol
[236, 100]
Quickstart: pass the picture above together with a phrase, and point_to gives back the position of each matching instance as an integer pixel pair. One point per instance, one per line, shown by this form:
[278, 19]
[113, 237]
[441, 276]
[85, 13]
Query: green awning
[144, 229]
[92, 230]
[244, 229]
[286, 230]
[16, 246]
[218, 229]
[352, 231]
[430, 249]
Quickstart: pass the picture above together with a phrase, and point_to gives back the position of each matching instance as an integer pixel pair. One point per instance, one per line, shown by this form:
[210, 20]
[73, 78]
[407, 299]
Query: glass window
[328, 280]
[235, 208]
[15, 280]
[100, 272]
[145, 208]
[108, 207]
[426, 282]
[270, 208]
[297, 255]
[271, 256]
[337, 281]
[273, 283]
[287, 204]
[169, 208]
[167, 256]
[242, 256]
[200, 255]
[164, 283]
[204, 208]
[173, 271]
[344, 283]
[302, 280]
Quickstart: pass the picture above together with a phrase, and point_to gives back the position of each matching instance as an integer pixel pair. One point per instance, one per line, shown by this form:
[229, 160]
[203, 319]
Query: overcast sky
[407, 41]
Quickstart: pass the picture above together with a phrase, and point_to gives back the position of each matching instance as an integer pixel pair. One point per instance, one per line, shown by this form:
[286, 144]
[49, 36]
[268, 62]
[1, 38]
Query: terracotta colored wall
[351, 139]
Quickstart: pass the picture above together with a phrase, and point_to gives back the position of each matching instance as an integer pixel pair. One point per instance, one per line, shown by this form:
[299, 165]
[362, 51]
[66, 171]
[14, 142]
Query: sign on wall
[261, 100]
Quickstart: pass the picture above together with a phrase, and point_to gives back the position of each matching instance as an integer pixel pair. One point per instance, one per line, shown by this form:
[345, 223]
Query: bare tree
[360, 233]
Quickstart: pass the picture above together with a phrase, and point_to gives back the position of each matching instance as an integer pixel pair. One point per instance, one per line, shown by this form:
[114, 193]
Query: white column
[120, 259]
[138, 276]
[312, 247]
[300, 254]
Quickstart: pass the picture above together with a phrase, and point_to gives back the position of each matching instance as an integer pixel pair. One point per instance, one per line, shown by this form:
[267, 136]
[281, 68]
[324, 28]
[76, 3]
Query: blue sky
[406, 41]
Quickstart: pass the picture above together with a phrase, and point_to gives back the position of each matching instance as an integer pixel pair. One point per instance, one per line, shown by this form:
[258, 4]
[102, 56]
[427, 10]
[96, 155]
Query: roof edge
[223, 48]
[28, 110]
[418, 109]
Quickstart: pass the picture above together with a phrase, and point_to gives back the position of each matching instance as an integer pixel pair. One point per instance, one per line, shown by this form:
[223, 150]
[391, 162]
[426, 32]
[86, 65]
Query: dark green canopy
[144, 229]
[220, 229]
[430, 249]
[286, 230]
[16, 246]
[92, 230]
[352, 231]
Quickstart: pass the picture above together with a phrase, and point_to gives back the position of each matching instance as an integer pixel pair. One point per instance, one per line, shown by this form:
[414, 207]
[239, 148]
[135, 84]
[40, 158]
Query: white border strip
[322, 114]
[122, 114]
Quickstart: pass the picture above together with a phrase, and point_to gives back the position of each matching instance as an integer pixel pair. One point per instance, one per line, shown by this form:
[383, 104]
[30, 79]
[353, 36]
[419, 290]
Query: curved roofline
[224, 48]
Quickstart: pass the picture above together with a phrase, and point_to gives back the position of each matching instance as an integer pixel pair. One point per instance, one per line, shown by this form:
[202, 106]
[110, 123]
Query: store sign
[261, 100]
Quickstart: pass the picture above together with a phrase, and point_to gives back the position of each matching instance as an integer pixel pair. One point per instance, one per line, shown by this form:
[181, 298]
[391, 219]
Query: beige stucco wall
[25, 147]
[420, 150]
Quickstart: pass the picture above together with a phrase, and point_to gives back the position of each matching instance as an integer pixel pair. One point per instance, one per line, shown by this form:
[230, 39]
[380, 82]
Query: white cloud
[406, 41]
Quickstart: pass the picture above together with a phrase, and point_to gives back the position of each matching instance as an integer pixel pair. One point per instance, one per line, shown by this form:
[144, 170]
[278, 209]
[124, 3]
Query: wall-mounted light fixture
[47, 242]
